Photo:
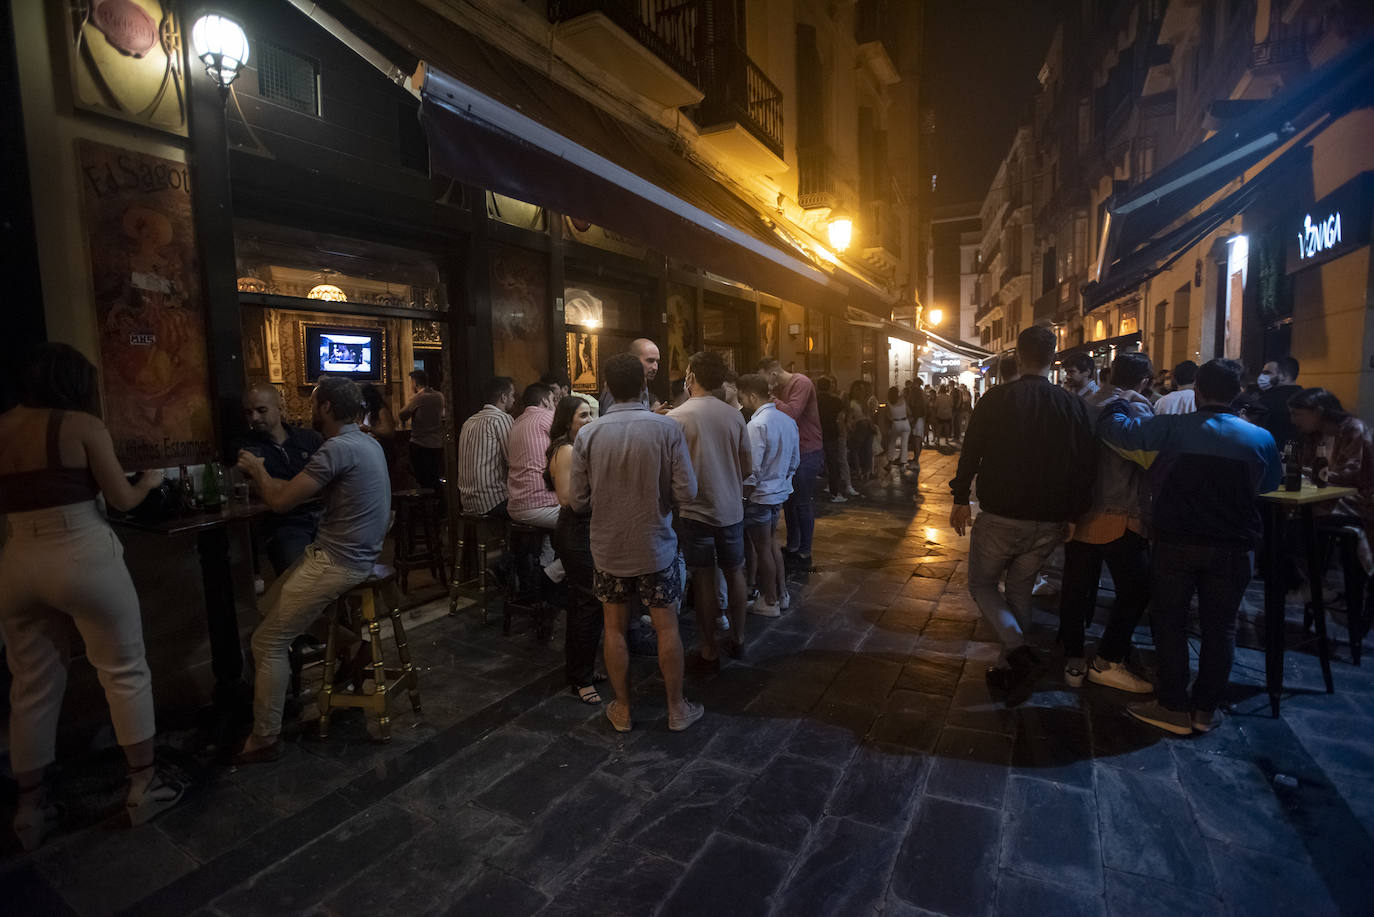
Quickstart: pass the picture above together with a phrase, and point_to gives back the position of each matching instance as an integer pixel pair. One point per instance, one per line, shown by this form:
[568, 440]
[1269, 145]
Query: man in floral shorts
[630, 468]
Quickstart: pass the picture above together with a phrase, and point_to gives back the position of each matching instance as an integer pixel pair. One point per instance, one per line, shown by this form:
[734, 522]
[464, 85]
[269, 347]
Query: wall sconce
[936, 316]
[841, 232]
[327, 292]
[794, 329]
[222, 46]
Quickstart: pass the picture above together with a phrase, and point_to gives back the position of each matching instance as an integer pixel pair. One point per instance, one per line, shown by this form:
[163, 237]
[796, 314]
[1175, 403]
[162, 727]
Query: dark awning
[1151, 224]
[962, 348]
[495, 122]
[1121, 340]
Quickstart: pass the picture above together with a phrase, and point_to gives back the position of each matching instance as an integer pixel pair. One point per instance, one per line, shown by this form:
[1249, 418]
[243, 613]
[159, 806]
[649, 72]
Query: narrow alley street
[851, 763]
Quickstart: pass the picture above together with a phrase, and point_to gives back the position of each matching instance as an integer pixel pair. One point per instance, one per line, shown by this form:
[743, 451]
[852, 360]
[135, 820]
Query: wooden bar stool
[377, 591]
[418, 545]
[524, 542]
[477, 535]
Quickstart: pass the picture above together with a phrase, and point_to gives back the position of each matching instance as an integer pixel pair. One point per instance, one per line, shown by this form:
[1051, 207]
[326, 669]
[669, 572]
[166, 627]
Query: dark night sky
[982, 57]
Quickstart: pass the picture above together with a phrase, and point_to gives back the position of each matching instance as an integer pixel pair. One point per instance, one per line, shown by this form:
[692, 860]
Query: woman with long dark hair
[381, 424]
[61, 564]
[572, 541]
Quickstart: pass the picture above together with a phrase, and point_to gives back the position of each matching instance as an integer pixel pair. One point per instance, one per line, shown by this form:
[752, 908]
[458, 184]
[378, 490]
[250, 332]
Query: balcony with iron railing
[875, 32]
[650, 44]
[816, 187]
[739, 94]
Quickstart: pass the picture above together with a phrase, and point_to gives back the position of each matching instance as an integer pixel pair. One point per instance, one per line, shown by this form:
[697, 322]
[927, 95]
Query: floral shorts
[656, 590]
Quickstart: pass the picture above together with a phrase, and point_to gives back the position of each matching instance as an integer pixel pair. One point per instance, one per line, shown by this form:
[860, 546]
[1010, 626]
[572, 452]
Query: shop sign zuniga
[1318, 237]
[1330, 227]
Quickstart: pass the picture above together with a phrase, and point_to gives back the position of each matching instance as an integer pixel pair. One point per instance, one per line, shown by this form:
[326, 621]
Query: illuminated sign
[1318, 237]
[1331, 227]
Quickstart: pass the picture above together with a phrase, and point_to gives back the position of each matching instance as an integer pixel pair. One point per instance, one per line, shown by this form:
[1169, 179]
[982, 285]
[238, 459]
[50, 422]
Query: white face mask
[1266, 381]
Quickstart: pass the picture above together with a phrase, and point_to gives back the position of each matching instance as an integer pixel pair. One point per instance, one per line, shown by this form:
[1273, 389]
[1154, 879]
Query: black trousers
[1128, 559]
[572, 542]
[834, 466]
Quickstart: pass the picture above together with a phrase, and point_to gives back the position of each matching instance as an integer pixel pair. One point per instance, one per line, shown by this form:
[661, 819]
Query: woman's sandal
[587, 694]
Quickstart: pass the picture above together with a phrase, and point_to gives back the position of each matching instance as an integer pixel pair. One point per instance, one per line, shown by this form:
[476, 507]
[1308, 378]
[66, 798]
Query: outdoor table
[1278, 503]
[221, 612]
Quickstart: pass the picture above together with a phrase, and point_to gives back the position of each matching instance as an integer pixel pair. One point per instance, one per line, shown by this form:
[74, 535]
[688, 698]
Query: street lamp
[222, 46]
[936, 316]
[841, 231]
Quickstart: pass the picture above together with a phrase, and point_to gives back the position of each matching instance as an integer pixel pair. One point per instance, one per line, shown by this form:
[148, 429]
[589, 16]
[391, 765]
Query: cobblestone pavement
[852, 763]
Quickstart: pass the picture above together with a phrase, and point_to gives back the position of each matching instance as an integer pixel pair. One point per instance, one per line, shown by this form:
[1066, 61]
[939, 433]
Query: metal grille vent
[289, 79]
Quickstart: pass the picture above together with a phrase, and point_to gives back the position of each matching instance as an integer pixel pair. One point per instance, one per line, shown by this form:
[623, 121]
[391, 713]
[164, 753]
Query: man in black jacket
[1032, 448]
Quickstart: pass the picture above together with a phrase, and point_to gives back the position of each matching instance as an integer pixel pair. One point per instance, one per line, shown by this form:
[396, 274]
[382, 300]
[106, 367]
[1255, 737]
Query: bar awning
[961, 348]
[1089, 347]
[495, 122]
[1149, 228]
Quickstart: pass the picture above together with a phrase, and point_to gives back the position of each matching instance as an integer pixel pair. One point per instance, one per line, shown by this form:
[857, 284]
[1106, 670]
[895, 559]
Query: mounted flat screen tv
[336, 350]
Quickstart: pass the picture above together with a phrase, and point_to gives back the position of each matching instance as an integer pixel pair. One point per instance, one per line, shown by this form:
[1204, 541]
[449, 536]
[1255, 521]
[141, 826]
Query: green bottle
[211, 496]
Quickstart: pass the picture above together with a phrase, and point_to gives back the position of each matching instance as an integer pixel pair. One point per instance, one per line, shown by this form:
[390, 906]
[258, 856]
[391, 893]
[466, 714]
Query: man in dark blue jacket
[1206, 470]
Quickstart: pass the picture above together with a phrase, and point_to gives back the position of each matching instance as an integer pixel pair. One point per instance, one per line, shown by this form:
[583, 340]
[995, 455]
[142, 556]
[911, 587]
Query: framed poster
[768, 331]
[149, 306]
[126, 61]
[582, 362]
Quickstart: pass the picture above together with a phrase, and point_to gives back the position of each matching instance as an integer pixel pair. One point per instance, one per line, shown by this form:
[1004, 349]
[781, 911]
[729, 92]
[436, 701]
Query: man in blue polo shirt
[1206, 470]
[285, 450]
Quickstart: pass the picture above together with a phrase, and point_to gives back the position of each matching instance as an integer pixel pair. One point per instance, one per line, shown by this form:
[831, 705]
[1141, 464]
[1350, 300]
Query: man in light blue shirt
[630, 469]
[774, 439]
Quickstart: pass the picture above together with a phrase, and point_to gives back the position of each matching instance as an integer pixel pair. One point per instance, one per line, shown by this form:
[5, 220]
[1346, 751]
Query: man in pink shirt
[531, 501]
[795, 395]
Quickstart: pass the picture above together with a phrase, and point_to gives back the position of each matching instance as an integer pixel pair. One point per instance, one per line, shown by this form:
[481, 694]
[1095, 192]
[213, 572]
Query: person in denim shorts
[630, 469]
[711, 526]
[773, 441]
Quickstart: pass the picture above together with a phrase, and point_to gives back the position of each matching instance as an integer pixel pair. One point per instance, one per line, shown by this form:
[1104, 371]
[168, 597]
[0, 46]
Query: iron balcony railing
[873, 21]
[668, 28]
[1273, 53]
[738, 90]
[815, 180]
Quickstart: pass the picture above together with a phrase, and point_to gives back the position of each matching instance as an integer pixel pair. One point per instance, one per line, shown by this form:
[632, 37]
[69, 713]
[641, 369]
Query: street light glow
[841, 232]
[221, 45]
[936, 316]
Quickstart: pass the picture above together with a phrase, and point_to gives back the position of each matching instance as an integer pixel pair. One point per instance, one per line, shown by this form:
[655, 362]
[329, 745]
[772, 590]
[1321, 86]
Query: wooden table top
[1309, 494]
[234, 511]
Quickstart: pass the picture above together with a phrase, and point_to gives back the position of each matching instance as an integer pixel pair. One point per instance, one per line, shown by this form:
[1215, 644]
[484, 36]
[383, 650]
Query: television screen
[353, 352]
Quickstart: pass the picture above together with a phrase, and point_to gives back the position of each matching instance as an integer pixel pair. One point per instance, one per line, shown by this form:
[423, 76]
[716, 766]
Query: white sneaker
[723, 622]
[1074, 672]
[851, 492]
[259, 587]
[839, 498]
[764, 610]
[149, 799]
[1207, 720]
[785, 601]
[1116, 675]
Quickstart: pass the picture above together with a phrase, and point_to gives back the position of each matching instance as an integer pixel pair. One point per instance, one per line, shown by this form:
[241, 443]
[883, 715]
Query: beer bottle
[186, 489]
[209, 487]
[1320, 466]
[1292, 468]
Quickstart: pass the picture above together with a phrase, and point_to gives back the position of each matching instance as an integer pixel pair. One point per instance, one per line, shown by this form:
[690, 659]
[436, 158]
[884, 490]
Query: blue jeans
[286, 543]
[1015, 548]
[1219, 575]
[799, 511]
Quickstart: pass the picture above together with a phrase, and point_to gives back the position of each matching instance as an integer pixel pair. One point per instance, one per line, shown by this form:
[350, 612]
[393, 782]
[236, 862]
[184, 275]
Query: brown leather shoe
[264, 755]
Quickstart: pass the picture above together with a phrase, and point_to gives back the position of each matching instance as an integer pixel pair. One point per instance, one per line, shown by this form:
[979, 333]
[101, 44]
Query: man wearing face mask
[1283, 386]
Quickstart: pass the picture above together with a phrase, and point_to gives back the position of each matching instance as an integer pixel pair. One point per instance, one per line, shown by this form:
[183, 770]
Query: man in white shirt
[773, 437]
[1181, 400]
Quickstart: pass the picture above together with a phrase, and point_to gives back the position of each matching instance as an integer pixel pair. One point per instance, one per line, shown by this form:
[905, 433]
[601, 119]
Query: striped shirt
[529, 441]
[482, 459]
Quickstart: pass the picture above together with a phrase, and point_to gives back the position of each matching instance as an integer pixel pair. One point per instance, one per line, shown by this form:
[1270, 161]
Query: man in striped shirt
[482, 451]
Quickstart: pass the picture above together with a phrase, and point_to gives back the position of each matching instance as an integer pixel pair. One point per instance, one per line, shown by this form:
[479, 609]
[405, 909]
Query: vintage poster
[768, 332]
[582, 362]
[126, 61]
[149, 305]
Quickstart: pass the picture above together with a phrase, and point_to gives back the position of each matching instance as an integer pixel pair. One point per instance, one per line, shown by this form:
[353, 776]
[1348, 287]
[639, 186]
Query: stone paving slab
[852, 762]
